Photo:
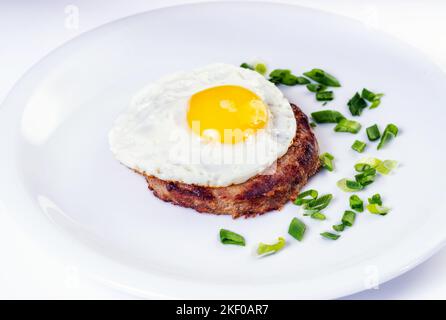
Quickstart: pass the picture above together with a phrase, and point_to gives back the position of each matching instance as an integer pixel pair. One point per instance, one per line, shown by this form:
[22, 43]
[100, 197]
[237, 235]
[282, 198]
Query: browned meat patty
[259, 194]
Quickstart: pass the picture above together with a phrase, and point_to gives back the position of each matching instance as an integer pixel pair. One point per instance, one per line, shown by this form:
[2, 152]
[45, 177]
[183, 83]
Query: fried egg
[213, 126]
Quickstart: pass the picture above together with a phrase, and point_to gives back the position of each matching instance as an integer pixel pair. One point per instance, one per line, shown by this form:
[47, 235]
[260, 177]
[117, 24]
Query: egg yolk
[228, 114]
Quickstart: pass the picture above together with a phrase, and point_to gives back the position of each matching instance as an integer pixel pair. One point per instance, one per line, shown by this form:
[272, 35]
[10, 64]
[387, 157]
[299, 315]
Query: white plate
[60, 180]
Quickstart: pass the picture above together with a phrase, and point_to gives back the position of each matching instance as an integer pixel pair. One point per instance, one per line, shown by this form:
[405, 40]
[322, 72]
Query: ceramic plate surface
[60, 180]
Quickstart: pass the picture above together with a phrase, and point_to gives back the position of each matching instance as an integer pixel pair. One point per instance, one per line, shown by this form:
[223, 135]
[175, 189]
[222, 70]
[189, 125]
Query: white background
[31, 29]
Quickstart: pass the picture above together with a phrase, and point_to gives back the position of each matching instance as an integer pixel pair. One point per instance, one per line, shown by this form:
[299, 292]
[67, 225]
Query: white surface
[48, 278]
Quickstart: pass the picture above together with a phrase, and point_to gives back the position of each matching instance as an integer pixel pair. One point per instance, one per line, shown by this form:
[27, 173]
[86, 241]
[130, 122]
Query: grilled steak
[259, 194]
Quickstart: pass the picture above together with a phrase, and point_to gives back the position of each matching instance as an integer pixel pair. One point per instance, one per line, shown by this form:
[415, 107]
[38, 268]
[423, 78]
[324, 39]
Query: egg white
[153, 137]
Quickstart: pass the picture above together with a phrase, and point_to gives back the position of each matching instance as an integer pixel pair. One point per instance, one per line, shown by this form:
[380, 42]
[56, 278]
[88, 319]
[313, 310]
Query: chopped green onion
[316, 87]
[365, 180]
[374, 98]
[260, 68]
[327, 116]
[372, 162]
[376, 199]
[318, 216]
[330, 235]
[229, 237]
[302, 80]
[319, 203]
[375, 104]
[297, 229]
[386, 166]
[338, 227]
[376, 101]
[277, 75]
[356, 105]
[393, 129]
[350, 126]
[292, 80]
[361, 167]
[324, 96]
[348, 219]
[359, 146]
[373, 133]
[284, 76]
[305, 197]
[377, 209]
[322, 77]
[390, 132]
[246, 66]
[327, 161]
[366, 177]
[267, 249]
[313, 124]
[349, 185]
[356, 203]
[368, 95]
[309, 212]
[386, 137]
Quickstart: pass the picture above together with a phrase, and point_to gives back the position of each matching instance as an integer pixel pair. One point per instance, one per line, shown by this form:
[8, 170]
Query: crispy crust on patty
[261, 193]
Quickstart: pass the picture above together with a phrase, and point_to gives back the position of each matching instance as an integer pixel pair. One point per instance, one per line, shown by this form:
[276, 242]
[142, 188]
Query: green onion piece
[319, 203]
[318, 216]
[324, 96]
[374, 98]
[284, 76]
[368, 95]
[390, 132]
[309, 212]
[377, 209]
[229, 237]
[373, 133]
[277, 75]
[356, 203]
[361, 167]
[339, 227]
[330, 235]
[366, 177]
[302, 80]
[353, 185]
[375, 104]
[246, 66]
[313, 124]
[393, 129]
[366, 180]
[292, 80]
[350, 126]
[386, 166]
[376, 199]
[359, 146]
[349, 185]
[297, 229]
[327, 161]
[372, 162]
[267, 249]
[260, 68]
[316, 87]
[356, 105]
[385, 138]
[305, 197]
[377, 101]
[348, 219]
[327, 116]
[322, 77]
